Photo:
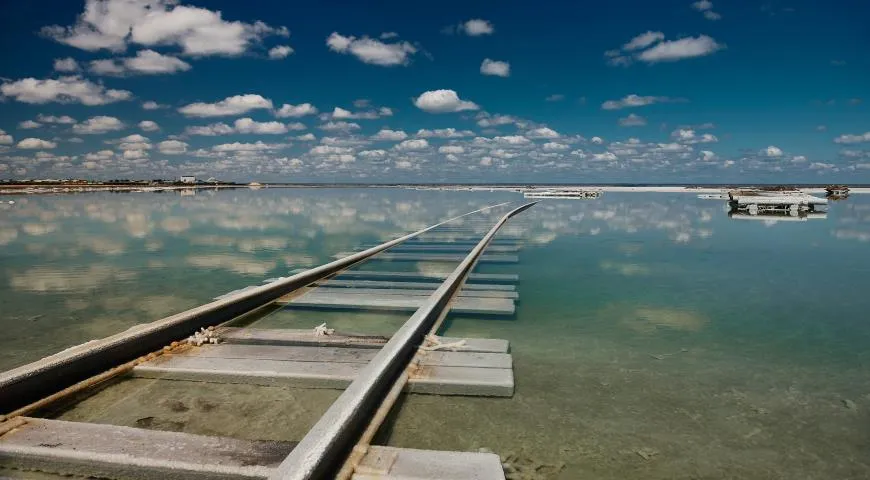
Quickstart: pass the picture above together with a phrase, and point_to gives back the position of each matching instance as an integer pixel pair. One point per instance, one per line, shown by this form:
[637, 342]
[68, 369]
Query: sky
[670, 91]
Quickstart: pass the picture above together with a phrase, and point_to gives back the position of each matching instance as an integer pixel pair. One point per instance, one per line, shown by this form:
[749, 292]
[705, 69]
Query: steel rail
[323, 450]
[29, 383]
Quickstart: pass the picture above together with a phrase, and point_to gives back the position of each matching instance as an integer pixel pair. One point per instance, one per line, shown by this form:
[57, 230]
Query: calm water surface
[655, 336]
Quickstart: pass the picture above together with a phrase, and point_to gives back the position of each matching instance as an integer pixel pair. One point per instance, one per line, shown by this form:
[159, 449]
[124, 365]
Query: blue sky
[622, 91]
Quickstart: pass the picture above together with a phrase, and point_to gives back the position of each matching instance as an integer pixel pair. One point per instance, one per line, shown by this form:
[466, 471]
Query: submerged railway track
[371, 370]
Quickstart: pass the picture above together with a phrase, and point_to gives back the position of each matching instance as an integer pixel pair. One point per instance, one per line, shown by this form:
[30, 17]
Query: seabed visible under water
[654, 339]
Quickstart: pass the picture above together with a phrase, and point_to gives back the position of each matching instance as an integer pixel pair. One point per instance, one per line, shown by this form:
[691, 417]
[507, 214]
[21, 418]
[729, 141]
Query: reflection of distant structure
[800, 217]
[187, 192]
[571, 194]
[837, 192]
[255, 185]
[713, 196]
[187, 179]
[775, 205]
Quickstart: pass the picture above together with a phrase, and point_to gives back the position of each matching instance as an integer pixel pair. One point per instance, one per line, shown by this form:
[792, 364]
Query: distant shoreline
[43, 189]
[37, 188]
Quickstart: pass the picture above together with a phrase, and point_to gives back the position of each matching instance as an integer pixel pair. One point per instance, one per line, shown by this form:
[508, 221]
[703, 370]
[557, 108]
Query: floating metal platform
[299, 337]
[438, 257]
[411, 285]
[344, 299]
[412, 276]
[109, 451]
[326, 288]
[440, 373]
[451, 249]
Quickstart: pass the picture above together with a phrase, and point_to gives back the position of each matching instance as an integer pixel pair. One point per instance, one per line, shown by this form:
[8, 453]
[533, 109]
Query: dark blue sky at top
[792, 74]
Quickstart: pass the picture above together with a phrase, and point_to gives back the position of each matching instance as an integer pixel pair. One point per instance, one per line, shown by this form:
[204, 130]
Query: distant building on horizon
[187, 179]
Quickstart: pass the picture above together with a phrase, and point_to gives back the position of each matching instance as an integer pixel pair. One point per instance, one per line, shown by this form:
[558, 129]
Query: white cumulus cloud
[443, 101]
[512, 140]
[296, 111]
[390, 135]
[149, 126]
[71, 89]
[247, 147]
[847, 139]
[542, 132]
[495, 67]
[113, 24]
[413, 145]
[706, 7]
[372, 51]
[146, 62]
[339, 113]
[632, 120]
[444, 133]
[152, 105]
[279, 52]
[476, 27]
[651, 47]
[486, 120]
[454, 149]
[340, 126]
[688, 136]
[66, 65]
[235, 105]
[63, 119]
[97, 125]
[36, 143]
[172, 147]
[248, 125]
[212, 130]
[555, 147]
[772, 151]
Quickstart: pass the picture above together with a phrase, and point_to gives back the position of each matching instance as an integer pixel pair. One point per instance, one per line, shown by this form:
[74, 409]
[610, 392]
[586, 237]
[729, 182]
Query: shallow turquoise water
[655, 337]
[78, 267]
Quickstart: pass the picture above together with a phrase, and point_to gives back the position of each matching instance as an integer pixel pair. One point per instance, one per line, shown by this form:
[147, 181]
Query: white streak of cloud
[71, 89]
[630, 101]
[235, 105]
[847, 139]
[643, 40]
[372, 51]
[690, 47]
